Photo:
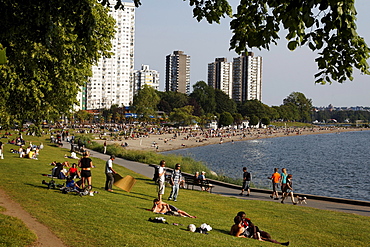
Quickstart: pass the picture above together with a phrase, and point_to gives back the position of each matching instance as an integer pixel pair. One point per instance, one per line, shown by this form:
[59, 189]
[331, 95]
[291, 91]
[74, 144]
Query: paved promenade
[334, 204]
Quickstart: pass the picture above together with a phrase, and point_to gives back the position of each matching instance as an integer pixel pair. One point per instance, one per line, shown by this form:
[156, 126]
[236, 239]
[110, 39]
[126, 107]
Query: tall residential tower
[220, 75]
[112, 81]
[178, 72]
[247, 77]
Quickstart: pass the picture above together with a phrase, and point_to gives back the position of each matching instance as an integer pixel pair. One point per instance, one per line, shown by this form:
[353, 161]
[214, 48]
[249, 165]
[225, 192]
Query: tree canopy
[325, 26]
[301, 103]
[145, 102]
[50, 46]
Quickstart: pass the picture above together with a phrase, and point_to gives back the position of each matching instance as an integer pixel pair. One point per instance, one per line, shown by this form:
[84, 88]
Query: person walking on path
[109, 173]
[247, 177]
[283, 177]
[289, 190]
[275, 178]
[162, 179]
[105, 147]
[176, 179]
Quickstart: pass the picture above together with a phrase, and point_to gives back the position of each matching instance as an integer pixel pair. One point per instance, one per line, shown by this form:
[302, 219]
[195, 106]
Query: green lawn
[121, 218]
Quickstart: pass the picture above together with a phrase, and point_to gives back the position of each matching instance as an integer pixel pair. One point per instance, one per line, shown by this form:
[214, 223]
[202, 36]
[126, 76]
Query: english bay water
[334, 165]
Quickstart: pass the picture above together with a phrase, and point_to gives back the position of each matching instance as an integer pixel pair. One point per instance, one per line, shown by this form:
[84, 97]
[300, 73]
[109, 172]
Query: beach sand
[188, 139]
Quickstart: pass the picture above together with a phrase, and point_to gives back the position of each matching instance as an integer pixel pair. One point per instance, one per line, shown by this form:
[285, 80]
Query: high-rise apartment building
[247, 77]
[178, 72]
[220, 75]
[112, 81]
[145, 76]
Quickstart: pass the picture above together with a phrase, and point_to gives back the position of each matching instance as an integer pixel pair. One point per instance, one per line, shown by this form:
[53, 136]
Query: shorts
[85, 173]
[173, 208]
[161, 188]
[275, 186]
[284, 188]
[246, 185]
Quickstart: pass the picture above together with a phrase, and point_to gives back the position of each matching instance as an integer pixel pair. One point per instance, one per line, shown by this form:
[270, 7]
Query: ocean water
[334, 165]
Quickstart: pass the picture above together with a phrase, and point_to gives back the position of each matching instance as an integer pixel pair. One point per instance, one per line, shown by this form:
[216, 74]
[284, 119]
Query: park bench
[191, 182]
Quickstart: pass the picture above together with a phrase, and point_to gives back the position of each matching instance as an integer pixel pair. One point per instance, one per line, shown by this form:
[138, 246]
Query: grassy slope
[120, 218]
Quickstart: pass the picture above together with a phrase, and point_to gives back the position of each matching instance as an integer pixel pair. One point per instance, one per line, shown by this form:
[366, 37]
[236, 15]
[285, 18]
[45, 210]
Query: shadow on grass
[221, 231]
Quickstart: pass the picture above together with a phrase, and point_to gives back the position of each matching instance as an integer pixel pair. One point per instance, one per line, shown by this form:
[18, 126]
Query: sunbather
[165, 208]
[244, 228]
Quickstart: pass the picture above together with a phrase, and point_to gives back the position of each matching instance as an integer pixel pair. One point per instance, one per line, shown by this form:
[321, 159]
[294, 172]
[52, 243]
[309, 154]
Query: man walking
[176, 179]
[109, 173]
[275, 178]
[247, 177]
[161, 179]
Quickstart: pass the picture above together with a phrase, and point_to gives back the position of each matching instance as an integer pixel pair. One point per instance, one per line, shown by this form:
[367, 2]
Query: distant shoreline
[190, 139]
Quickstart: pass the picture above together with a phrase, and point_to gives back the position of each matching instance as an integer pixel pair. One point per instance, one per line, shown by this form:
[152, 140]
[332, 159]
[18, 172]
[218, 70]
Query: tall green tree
[82, 116]
[50, 46]
[226, 119]
[325, 26]
[171, 100]
[302, 104]
[224, 103]
[253, 120]
[255, 107]
[145, 102]
[205, 96]
[183, 116]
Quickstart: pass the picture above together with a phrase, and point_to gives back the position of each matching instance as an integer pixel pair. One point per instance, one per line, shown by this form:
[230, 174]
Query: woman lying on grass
[160, 207]
[244, 228]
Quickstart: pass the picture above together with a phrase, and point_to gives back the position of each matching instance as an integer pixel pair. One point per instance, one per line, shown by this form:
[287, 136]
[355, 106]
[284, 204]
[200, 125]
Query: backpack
[156, 174]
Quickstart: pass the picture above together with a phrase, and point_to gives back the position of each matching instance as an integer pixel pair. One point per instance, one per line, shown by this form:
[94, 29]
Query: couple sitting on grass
[160, 207]
[244, 228]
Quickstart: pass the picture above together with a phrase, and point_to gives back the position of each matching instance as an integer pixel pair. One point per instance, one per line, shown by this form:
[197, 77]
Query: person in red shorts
[275, 178]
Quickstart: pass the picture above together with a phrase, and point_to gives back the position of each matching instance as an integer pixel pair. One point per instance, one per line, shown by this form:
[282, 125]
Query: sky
[163, 26]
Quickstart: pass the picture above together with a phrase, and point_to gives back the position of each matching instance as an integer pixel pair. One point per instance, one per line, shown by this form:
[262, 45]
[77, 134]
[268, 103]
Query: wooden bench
[203, 184]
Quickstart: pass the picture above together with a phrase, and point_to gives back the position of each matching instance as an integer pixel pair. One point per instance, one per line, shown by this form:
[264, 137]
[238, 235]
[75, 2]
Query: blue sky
[163, 26]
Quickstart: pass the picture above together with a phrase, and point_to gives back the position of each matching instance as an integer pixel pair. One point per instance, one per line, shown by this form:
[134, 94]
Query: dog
[301, 199]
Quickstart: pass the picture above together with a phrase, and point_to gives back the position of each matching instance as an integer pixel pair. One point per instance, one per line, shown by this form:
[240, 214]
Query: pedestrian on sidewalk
[289, 189]
[247, 178]
[275, 178]
[105, 147]
[109, 172]
[283, 178]
[176, 179]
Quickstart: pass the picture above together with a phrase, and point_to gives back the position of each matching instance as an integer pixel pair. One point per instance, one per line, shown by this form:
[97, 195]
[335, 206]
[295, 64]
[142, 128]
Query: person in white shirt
[109, 174]
[162, 179]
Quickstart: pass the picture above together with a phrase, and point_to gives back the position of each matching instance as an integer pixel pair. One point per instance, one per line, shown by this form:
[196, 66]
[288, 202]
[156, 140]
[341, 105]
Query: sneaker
[282, 202]
[276, 198]
[91, 194]
[240, 194]
[286, 244]
[247, 195]
[175, 200]
[294, 203]
[271, 197]
[169, 198]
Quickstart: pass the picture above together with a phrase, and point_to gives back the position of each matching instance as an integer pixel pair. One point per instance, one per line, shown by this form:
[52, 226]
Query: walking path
[334, 204]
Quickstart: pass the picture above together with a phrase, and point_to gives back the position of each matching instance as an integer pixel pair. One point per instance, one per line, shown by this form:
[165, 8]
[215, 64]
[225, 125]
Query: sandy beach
[186, 139]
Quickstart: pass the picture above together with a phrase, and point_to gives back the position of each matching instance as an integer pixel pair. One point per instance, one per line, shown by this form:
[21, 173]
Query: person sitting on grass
[160, 207]
[244, 228]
